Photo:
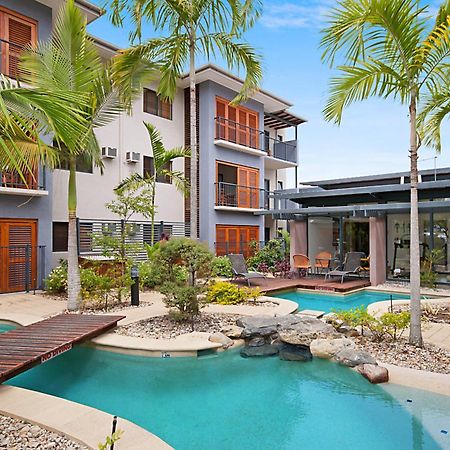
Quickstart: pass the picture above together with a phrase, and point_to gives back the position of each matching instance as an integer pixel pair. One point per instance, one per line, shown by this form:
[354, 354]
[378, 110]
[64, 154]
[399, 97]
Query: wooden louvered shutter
[253, 130]
[253, 182]
[243, 194]
[233, 239]
[150, 102]
[221, 123]
[18, 255]
[243, 131]
[253, 235]
[19, 32]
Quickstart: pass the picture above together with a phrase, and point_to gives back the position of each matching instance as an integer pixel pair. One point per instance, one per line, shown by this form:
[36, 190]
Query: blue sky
[373, 137]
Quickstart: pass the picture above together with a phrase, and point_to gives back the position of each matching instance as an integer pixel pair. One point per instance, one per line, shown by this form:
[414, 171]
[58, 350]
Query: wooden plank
[23, 348]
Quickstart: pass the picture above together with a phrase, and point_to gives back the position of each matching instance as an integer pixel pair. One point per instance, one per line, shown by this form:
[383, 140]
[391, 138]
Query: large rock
[265, 325]
[220, 338]
[353, 357]
[375, 374]
[256, 342]
[288, 352]
[328, 348]
[305, 330]
[232, 331]
[262, 350]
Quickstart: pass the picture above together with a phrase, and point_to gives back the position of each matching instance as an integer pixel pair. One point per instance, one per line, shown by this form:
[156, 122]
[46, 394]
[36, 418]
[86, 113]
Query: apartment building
[245, 152]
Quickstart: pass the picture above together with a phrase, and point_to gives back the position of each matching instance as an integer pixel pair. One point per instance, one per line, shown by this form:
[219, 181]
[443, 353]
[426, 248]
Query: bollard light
[135, 286]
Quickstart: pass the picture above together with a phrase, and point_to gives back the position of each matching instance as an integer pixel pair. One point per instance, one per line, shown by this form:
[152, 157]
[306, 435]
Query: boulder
[255, 342]
[289, 352]
[305, 330]
[347, 330]
[220, 338]
[262, 350]
[327, 348]
[352, 357]
[374, 373]
[261, 325]
[232, 331]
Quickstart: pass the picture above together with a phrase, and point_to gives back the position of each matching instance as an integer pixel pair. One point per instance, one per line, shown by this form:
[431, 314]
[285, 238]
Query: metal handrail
[255, 139]
[240, 196]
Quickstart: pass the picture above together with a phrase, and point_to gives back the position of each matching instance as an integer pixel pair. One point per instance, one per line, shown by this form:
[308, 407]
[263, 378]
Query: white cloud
[294, 14]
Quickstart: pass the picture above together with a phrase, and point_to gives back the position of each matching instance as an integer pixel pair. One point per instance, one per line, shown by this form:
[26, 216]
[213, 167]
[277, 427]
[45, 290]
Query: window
[16, 32]
[154, 105]
[162, 177]
[60, 236]
[149, 168]
[83, 164]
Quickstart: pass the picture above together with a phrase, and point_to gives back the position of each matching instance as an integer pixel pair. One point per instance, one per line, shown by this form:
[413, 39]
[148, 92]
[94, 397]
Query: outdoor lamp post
[135, 286]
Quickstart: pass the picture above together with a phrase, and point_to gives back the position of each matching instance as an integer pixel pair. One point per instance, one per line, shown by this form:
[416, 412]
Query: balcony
[235, 136]
[32, 184]
[234, 197]
[10, 58]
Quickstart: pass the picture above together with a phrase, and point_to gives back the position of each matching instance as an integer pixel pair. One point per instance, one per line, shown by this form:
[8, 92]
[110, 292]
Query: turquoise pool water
[327, 302]
[6, 327]
[227, 402]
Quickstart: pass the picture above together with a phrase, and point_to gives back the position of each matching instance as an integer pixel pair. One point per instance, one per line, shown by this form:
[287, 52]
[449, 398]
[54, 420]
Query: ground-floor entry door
[18, 254]
[235, 239]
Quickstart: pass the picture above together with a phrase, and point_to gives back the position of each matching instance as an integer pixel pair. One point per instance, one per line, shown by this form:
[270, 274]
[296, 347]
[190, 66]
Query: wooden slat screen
[235, 239]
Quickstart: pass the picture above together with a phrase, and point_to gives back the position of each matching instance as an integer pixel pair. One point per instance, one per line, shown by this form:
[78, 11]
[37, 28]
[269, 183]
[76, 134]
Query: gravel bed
[400, 353]
[423, 290]
[431, 312]
[163, 327]
[19, 435]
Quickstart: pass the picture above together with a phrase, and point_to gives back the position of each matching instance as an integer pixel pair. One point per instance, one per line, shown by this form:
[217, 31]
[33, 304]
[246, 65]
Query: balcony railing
[30, 180]
[236, 196]
[10, 58]
[231, 131]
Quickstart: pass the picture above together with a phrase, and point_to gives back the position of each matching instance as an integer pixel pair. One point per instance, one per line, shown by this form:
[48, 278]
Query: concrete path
[26, 309]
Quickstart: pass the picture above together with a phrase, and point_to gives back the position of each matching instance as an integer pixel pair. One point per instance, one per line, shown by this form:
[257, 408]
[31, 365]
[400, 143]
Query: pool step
[311, 313]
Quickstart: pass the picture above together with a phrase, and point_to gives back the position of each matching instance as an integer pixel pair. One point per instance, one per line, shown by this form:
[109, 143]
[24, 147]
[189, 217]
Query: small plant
[263, 268]
[270, 255]
[221, 267]
[225, 293]
[428, 276]
[283, 268]
[388, 324]
[56, 282]
[110, 440]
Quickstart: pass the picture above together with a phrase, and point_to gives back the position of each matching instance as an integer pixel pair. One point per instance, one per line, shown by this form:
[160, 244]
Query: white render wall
[126, 133]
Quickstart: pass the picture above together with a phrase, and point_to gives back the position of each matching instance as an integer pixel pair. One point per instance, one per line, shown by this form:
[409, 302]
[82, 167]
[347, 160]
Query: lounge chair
[351, 266]
[240, 270]
[302, 264]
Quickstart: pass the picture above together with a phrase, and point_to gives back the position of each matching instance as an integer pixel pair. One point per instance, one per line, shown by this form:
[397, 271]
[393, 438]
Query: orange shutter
[221, 238]
[243, 132]
[220, 119]
[253, 233]
[254, 133]
[243, 194]
[19, 32]
[232, 116]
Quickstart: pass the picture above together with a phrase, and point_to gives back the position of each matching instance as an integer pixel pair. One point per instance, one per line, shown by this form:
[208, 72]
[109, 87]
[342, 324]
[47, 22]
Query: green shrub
[225, 293]
[183, 299]
[153, 274]
[56, 282]
[388, 324]
[221, 267]
[271, 254]
[95, 286]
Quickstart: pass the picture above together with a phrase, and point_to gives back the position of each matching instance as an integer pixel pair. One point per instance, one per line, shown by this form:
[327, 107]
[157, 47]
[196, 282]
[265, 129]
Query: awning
[282, 119]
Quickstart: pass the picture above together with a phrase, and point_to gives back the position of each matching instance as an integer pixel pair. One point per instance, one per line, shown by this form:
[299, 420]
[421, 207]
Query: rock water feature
[300, 338]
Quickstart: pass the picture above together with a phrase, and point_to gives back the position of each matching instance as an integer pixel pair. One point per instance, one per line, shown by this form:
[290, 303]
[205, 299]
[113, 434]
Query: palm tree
[206, 27]
[69, 61]
[161, 161]
[390, 49]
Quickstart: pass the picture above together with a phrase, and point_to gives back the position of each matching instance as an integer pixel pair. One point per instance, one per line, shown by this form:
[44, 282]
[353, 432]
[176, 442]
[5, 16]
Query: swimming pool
[327, 302]
[6, 327]
[227, 402]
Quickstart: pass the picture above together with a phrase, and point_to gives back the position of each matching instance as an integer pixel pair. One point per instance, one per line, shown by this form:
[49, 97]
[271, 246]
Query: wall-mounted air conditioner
[133, 157]
[109, 152]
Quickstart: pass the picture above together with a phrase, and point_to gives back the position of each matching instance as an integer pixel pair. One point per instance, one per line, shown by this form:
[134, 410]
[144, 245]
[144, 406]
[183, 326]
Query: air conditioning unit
[133, 157]
[109, 152]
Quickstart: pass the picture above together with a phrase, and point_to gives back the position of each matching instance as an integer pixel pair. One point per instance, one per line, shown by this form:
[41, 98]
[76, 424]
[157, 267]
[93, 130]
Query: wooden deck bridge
[26, 347]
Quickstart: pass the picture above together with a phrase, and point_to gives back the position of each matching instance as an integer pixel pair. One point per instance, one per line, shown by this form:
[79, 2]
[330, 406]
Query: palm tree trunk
[415, 334]
[73, 271]
[193, 138]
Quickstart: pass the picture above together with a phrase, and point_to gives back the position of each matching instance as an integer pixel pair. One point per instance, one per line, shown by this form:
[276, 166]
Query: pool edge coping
[80, 423]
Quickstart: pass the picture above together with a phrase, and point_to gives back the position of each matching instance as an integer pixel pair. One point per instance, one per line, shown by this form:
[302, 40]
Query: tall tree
[69, 61]
[389, 49]
[162, 158]
[196, 27]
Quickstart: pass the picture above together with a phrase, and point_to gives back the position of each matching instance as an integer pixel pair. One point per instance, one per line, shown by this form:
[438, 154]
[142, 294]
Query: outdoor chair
[239, 267]
[322, 261]
[302, 264]
[351, 266]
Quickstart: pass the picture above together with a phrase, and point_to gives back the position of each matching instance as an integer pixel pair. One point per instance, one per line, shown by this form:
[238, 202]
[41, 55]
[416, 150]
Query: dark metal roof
[366, 210]
[282, 119]
[320, 197]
